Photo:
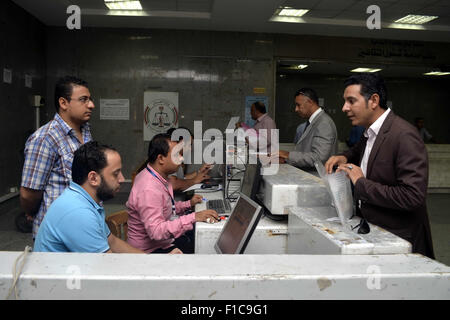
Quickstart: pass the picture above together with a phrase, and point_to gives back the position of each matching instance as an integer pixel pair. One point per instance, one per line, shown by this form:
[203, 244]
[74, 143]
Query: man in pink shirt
[156, 222]
[263, 121]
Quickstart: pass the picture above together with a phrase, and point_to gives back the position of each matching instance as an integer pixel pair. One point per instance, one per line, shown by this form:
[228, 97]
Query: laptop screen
[251, 181]
[239, 227]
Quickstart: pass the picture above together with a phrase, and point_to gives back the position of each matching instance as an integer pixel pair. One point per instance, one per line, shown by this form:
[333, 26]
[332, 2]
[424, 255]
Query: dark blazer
[393, 194]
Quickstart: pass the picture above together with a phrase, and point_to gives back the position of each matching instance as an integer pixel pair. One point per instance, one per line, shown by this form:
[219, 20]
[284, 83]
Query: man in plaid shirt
[47, 169]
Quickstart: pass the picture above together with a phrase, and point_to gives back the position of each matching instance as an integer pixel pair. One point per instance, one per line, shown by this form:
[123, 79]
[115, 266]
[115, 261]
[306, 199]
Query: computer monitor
[251, 181]
[239, 227]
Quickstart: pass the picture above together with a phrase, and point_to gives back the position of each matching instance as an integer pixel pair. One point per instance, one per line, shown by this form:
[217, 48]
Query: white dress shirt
[314, 115]
[371, 134]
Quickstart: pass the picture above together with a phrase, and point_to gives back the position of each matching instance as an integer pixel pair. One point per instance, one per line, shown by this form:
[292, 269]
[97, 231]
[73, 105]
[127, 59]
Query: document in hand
[338, 186]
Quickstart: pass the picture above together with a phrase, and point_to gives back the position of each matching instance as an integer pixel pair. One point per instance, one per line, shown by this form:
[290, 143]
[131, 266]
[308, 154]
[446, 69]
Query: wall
[22, 50]
[212, 71]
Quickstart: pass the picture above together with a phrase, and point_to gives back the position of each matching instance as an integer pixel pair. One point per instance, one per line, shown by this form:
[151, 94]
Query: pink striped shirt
[149, 211]
[263, 122]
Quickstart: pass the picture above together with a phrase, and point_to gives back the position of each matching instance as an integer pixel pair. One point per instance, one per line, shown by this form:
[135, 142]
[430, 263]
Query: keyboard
[219, 205]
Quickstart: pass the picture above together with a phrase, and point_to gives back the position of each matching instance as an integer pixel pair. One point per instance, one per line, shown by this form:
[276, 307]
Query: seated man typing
[155, 222]
[75, 221]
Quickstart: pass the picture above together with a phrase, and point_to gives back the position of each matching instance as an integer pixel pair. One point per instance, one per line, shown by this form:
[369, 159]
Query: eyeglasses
[83, 99]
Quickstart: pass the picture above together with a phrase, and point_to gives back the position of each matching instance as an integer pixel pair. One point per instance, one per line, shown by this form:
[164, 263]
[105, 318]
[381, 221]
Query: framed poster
[160, 112]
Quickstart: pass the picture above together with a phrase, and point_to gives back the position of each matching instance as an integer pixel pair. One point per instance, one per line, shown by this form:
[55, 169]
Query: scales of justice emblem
[160, 115]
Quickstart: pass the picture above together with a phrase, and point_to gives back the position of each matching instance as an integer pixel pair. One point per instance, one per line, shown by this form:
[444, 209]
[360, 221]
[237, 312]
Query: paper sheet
[338, 186]
[194, 187]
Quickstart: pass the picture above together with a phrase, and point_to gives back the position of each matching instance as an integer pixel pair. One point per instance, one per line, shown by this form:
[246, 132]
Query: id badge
[174, 215]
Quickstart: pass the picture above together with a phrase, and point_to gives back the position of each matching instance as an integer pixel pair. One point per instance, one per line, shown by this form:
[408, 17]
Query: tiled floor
[438, 210]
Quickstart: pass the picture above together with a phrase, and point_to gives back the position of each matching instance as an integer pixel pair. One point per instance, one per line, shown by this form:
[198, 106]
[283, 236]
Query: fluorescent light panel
[290, 12]
[416, 19]
[365, 70]
[123, 5]
[436, 73]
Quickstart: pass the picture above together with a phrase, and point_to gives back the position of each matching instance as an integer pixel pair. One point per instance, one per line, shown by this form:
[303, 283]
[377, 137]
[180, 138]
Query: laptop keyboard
[219, 205]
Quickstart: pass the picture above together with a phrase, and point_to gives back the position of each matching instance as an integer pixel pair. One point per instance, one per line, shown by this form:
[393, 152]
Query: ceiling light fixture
[365, 70]
[416, 19]
[436, 73]
[302, 66]
[123, 5]
[291, 12]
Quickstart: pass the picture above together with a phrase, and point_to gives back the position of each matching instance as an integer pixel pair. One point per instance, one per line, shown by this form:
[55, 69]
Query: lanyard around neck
[167, 188]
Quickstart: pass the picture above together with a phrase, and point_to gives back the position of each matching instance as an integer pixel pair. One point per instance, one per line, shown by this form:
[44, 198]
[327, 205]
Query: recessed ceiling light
[290, 12]
[123, 5]
[301, 66]
[436, 73]
[416, 19]
[365, 70]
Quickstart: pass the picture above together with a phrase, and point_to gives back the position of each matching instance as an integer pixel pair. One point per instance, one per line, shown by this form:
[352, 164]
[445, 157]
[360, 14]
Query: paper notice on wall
[28, 81]
[7, 76]
[114, 109]
[321, 102]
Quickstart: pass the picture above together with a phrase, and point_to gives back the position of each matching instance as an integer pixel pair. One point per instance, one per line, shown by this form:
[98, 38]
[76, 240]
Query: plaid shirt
[48, 161]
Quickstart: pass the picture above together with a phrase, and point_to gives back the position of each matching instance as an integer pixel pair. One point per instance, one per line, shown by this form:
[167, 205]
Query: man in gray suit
[319, 139]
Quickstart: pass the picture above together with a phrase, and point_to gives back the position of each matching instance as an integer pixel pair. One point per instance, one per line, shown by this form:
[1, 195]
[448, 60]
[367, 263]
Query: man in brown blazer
[391, 181]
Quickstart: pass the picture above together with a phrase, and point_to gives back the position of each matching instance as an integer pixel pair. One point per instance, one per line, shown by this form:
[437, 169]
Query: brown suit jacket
[393, 194]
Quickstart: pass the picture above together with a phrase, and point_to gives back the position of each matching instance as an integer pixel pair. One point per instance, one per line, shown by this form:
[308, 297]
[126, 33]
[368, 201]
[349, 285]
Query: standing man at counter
[319, 138]
[263, 126]
[391, 182]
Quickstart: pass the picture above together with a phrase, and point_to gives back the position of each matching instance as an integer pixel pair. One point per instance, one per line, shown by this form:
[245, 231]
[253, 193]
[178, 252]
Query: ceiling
[332, 69]
[326, 17]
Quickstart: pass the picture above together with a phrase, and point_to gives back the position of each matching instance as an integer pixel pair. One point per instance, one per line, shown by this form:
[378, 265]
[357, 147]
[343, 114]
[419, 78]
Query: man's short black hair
[64, 87]
[158, 145]
[260, 107]
[91, 156]
[371, 83]
[308, 92]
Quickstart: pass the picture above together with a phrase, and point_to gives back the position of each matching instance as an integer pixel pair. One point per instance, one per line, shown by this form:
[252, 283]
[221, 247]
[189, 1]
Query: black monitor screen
[251, 181]
[239, 227]
[247, 182]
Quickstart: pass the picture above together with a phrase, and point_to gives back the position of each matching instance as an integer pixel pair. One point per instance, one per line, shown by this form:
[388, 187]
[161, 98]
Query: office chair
[118, 221]
[118, 224]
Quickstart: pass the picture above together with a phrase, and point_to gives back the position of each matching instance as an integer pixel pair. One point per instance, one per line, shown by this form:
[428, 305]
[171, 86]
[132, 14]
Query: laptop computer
[221, 206]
